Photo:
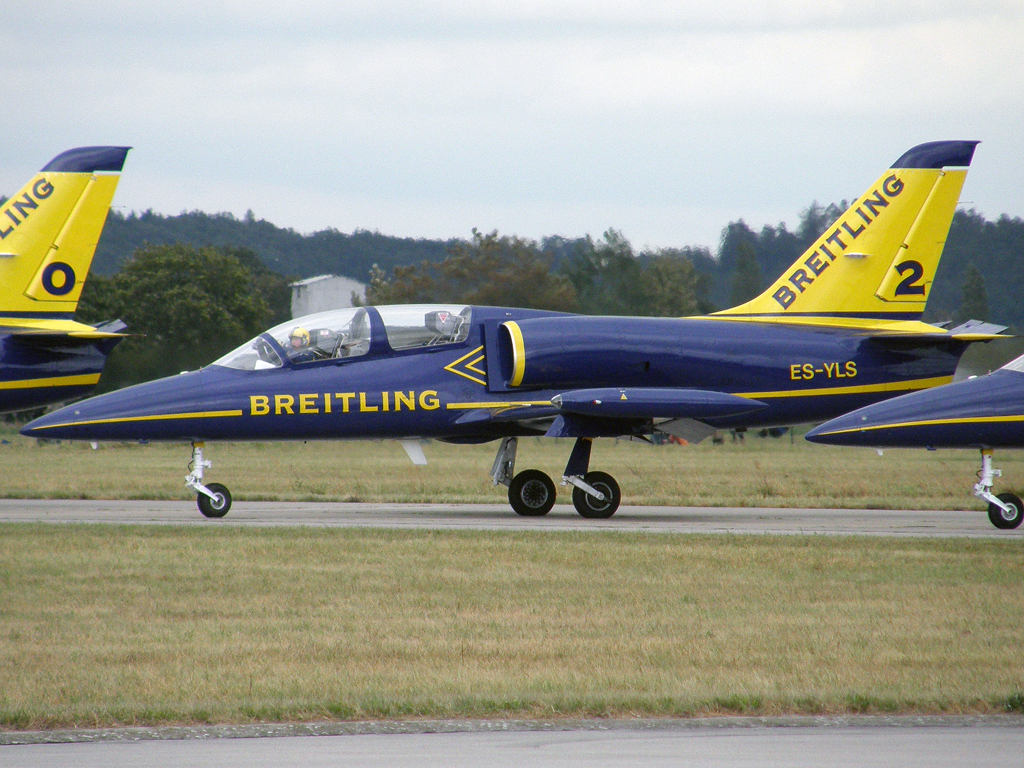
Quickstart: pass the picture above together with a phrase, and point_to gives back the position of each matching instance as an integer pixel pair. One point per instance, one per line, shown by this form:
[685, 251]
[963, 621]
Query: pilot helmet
[302, 335]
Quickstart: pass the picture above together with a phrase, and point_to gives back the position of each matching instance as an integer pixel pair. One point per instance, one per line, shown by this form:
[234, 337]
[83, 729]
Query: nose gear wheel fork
[213, 500]
[1006, 510]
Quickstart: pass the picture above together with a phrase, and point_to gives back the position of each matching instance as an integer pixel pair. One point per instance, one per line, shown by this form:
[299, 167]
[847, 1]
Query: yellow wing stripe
[896, 386]
[932, 423]
[157, 417]
[496, 405]
[85, 380]
[518, 353]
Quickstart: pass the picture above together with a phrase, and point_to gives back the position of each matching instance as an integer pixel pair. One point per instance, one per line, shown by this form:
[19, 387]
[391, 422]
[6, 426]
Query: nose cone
[978, 413]
[174, 408]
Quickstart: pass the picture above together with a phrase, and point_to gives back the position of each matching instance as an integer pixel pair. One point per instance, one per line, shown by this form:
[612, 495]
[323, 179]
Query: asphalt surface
[725, 743]
[972, 524]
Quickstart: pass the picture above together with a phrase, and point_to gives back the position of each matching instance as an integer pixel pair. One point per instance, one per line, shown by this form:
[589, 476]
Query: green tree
[490, 270]
[974, 298]
[184, 307]
[746, 277]
[606, 275]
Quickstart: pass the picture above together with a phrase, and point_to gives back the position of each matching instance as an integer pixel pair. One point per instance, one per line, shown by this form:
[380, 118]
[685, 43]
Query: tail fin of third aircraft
[49, 231]
[879, 259]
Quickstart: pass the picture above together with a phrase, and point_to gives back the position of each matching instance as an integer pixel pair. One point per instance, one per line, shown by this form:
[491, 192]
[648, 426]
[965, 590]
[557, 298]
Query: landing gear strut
[594, 494]
[213, 500]
[532, 493]
[1005, 510]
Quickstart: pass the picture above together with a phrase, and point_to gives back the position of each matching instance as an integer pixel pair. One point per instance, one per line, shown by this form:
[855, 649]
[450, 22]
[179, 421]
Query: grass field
[762, 472]
[102, 625]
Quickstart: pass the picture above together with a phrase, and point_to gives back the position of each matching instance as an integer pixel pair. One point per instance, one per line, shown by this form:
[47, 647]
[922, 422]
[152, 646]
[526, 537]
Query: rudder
[879, 258]
[49, 231]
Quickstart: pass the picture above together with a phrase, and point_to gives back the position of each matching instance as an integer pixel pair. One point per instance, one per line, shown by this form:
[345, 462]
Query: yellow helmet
[302, 335]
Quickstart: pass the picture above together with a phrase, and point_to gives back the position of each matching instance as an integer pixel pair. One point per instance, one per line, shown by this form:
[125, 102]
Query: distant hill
[996, 248]
[283, 250]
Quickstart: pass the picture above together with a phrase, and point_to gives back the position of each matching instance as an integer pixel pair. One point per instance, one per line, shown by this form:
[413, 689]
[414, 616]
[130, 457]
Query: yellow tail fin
[879, 259]
[49, 232]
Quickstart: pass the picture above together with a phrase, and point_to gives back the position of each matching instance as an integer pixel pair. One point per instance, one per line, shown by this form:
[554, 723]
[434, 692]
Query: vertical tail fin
[879, 259]
[49, 231]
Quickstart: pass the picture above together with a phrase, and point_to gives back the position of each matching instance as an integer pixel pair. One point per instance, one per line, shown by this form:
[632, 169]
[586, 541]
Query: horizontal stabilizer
[61, 330]
[976, 327]
[654, 403]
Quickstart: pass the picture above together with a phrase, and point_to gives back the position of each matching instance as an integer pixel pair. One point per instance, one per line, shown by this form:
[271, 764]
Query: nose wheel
[1009, 515]
[1005, 511]
[213, 500]
[216, 505]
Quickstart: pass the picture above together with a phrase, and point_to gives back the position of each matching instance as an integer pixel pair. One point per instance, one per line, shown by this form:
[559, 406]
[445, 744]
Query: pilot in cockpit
[298, 346]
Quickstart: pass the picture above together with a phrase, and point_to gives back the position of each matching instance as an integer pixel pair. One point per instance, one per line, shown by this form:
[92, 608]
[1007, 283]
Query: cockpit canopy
[343, 333]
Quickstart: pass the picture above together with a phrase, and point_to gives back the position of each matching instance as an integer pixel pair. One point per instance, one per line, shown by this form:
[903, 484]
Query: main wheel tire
[590, 507]
[531, 493]
[215, 507]
[1003, 519]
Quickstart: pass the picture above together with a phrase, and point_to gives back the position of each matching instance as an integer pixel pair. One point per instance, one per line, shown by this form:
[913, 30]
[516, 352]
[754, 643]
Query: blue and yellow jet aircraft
[48, 235]
[838, 330]
[984, 412]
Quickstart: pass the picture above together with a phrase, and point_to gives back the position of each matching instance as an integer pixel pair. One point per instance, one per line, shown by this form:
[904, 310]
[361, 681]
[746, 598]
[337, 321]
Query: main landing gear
[1005, 510]
[532, 493]
[213, 500]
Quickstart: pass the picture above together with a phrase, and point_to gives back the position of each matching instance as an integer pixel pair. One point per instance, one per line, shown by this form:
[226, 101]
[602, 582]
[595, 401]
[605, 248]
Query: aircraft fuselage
[463, 391]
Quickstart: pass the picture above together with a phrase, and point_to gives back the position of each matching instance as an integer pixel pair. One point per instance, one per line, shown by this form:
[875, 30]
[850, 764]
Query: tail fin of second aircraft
[49, 231]
[879, 259]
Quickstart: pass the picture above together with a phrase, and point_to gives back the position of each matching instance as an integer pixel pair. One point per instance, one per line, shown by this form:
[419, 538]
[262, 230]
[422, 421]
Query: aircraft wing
[600, 412]
[618, 411]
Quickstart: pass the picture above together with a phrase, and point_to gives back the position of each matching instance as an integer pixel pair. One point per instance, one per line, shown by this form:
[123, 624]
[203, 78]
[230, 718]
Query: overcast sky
[665, 120]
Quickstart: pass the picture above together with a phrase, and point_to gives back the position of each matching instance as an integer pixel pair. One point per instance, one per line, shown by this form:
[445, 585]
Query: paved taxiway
[846, 742]
[971, 524]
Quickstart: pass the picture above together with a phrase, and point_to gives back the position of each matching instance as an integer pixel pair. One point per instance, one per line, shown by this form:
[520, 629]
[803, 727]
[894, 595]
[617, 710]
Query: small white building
[324, 292]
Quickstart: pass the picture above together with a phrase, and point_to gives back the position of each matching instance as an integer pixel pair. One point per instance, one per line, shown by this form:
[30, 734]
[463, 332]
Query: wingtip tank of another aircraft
[840, 329]
[48, 236]
[984, 412]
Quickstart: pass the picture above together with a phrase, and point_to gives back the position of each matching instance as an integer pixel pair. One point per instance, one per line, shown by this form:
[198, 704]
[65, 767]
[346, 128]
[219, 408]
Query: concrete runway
[731, 743]
[972, 524]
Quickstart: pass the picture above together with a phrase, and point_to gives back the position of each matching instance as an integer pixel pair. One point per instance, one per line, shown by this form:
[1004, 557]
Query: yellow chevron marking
[470, 366]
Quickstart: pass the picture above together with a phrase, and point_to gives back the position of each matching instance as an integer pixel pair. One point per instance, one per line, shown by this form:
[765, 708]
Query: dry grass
[757, 472]
[105, 625]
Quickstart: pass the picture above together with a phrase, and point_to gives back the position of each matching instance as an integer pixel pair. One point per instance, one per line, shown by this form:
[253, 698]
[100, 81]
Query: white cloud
[524, 116]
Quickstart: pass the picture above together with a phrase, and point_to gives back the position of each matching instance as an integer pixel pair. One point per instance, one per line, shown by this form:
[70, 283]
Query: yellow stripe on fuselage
[931, 423]
[157, 417]
[86, 380]
[862, 389]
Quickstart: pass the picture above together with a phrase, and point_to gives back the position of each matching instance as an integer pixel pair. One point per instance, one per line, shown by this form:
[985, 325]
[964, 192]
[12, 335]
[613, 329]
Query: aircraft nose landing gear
[213, 500]
[1006, 510]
